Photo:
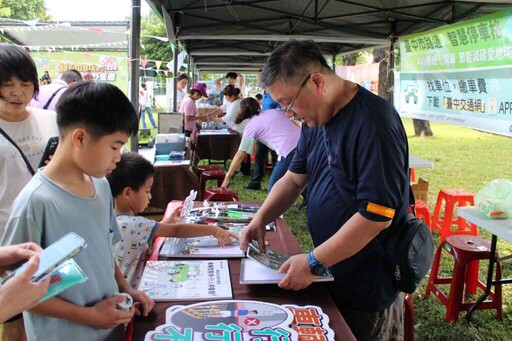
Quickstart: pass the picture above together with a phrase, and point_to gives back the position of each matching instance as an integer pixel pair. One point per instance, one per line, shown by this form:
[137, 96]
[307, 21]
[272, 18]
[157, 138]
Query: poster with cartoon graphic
[243, 320]
[203, 247]
[186, 280]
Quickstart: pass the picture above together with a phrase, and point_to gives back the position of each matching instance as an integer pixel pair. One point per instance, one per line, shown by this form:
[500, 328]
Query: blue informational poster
[478, 99]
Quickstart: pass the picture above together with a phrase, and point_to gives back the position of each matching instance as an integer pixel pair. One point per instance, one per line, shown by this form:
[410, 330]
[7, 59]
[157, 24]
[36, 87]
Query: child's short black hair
[232, 75]
[182, 76]
[15, 61]
[132, 171]
[101, 108]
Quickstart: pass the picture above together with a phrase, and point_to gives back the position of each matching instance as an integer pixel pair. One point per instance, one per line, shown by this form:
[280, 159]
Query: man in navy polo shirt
[353, 157]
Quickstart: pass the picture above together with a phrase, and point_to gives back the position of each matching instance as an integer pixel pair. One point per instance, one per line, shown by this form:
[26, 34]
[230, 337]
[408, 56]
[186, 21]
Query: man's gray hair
[292, 61]
[71, 76]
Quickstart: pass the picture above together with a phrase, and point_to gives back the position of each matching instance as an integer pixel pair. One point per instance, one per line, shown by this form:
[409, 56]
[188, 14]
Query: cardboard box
[420, 190]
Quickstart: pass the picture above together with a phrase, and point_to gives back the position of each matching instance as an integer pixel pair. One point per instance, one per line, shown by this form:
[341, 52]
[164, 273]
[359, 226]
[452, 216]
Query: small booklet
[253, 272]
[270, 259]
[67, 275]
[182, 280]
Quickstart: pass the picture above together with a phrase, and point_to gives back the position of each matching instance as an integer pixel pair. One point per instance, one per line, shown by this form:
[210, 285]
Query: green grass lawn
[463, 158]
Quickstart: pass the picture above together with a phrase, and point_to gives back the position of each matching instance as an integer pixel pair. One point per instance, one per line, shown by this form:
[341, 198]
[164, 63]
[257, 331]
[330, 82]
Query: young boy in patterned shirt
[131, 184]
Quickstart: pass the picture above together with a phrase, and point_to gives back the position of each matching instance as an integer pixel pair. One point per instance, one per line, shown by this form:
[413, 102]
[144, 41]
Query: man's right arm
[284, 193]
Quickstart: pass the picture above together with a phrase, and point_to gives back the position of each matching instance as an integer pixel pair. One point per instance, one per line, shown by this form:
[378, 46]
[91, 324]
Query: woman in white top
[24, 130]
[181, 88]
[232, 101]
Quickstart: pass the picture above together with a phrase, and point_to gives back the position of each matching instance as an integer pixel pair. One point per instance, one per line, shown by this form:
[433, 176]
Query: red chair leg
[408, 318]
[456, 292]
[434, 272]
[472, 277]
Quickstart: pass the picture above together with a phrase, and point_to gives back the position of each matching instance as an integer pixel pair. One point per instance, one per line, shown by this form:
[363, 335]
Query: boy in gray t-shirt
[71, 194]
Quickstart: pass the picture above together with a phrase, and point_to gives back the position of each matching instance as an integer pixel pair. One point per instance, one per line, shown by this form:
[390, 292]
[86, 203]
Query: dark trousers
[259, 163]
[386, 325]
[280, 169]
[245, 167]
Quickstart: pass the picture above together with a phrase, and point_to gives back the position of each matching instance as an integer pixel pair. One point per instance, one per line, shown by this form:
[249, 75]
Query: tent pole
[134, 66]
[175, 76]
[391, 67]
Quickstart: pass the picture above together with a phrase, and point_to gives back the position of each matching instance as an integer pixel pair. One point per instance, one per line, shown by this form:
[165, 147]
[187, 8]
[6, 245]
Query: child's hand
[143, 303]
[225, 183]
[105, 314]
[173, 216]
[223, 236]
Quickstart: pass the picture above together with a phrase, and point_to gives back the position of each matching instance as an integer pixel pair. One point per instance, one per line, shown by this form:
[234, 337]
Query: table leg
[490, 272]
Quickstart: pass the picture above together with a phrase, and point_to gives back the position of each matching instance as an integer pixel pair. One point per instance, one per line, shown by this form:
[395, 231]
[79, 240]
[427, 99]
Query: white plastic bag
[494, 199]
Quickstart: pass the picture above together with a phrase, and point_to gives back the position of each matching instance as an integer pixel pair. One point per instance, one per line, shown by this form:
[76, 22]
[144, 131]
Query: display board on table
[243, 320]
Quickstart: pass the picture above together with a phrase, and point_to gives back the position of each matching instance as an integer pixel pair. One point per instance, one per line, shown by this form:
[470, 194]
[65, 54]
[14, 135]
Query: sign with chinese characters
[365, 75]
[237, 320]
[479, 99]
[111, 66]
[481, 42]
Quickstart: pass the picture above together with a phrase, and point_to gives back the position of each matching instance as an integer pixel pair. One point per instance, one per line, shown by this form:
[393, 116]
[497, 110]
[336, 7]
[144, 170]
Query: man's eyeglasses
[288, 108]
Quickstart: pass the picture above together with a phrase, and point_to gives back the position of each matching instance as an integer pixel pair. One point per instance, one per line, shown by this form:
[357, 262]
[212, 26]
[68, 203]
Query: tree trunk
[380, 56]
[422, 127]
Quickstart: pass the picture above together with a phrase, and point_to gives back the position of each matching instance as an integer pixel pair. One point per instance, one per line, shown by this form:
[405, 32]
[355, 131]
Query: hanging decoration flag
[181, 57]
[31, 23]
[166, 72]
[144, 62]
[164, 39]
[98, 31]
[158, 63]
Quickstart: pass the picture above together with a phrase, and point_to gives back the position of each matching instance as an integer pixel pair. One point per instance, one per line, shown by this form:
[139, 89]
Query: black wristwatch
[316, 268]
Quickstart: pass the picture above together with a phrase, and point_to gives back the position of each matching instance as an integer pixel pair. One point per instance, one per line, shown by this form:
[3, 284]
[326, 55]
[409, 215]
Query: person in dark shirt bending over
[353, 157]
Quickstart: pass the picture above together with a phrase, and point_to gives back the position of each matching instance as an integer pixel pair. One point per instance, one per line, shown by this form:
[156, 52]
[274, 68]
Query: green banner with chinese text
[482, 42]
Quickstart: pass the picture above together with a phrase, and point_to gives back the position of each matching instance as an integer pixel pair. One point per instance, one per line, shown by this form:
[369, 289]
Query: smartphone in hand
[49, 150]
[53, 256]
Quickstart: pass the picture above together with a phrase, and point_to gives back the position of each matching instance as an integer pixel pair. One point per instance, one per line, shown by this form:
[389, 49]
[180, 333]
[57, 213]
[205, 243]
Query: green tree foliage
[360, 57]
[24, 9]
[5, 12]
[152, 48]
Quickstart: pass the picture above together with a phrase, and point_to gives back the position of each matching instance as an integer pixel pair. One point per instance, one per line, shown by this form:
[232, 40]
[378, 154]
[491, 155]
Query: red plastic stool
[465, 250]
[451, 198]
[200, 169]
[412, 175]
[408, 318]
[216, 174]
[422, 212]
[220, 194]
